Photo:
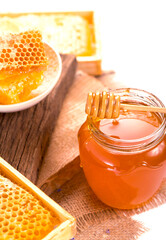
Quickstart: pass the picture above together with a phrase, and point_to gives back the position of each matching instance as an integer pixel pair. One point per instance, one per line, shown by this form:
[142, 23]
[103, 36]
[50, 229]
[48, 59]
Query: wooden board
[24, 135]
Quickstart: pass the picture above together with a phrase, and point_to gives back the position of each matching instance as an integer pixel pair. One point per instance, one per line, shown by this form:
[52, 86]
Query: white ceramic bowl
[51, 77]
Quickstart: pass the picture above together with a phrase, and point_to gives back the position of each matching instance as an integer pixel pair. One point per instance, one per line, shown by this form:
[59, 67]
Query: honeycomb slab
[22, 216]
[28, 213]
[75, 32]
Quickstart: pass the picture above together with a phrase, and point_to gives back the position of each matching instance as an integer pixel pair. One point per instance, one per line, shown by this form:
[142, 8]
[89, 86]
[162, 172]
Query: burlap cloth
[61, 161]
[95, 220]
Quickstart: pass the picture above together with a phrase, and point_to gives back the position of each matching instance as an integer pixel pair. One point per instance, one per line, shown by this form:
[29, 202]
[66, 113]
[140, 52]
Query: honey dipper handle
[142, 108]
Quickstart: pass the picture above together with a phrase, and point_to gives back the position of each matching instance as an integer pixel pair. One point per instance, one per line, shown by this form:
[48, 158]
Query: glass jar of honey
[124, 159]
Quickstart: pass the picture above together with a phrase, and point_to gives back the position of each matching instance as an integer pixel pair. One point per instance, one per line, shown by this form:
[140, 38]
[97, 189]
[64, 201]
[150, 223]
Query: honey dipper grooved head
[102, 105]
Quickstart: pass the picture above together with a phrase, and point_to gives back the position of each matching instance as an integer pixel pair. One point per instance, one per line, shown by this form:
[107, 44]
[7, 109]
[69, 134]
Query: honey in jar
[124, 159]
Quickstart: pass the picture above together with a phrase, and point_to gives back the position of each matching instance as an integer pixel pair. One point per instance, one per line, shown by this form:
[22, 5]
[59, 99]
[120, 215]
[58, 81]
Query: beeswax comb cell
[22, 216]
[22, 52]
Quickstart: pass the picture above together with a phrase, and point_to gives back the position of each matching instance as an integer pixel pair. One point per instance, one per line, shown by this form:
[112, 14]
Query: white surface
[154, 220]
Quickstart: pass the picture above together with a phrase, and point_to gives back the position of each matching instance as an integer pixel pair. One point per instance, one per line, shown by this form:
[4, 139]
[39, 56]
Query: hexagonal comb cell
[23, 51]
[22, 215]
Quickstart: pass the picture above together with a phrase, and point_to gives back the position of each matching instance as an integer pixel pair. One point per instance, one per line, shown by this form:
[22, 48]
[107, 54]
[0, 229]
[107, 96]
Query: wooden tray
[90, 63]
[67, 228]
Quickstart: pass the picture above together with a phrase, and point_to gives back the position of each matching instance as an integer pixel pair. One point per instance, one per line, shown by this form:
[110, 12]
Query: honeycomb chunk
[22, 215]
[22, 52]
[22, 63]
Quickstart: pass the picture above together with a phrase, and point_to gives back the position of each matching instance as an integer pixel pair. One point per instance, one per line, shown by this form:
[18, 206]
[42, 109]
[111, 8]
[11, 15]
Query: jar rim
[124, 144]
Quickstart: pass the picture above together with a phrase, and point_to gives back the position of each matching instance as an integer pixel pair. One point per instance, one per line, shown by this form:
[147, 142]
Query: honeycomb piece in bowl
[22, 215]
[22, 63]
[22, 52]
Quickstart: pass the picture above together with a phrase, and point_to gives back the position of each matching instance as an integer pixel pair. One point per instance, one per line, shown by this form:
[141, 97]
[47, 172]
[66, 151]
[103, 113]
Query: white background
[133, 45]
[133, 36]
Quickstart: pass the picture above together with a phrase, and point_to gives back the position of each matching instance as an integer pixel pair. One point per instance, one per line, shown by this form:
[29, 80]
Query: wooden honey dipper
[107, 105]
